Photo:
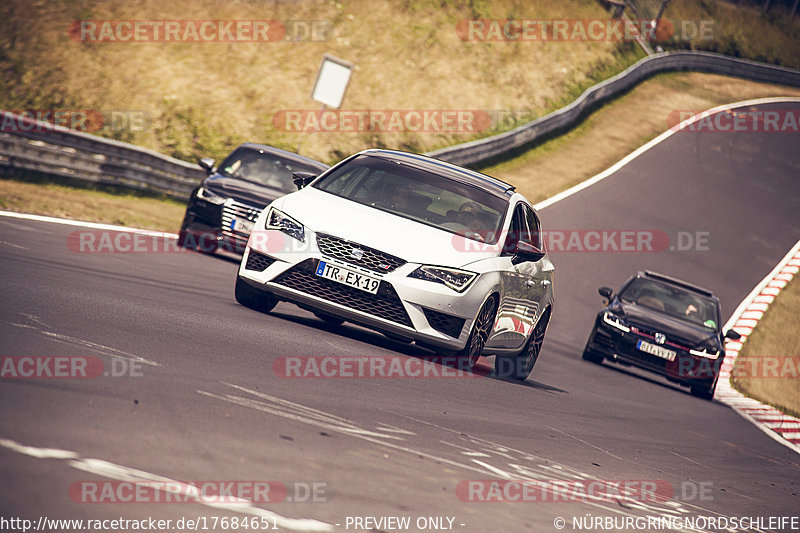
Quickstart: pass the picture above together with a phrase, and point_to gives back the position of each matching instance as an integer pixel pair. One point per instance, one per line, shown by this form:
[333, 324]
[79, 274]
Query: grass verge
[124, 209]
[776, 336]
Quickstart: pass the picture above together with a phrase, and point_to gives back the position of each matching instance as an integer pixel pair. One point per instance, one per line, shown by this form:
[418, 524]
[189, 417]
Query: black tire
[329, 319]
[590, 355]
[253, 298]
[520, 366]
[484, 322]
[706, 392]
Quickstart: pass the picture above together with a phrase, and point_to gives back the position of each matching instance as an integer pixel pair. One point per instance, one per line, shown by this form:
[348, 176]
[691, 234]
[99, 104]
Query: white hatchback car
[414, 247]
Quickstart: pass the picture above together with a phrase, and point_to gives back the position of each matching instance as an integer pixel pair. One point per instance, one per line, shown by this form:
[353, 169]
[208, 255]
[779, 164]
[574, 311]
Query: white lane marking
[83, 224]
[297, 411]
[518, 471]
[14, 245]
[319, 421]
[39, 453]
[393, 429]
[589, 444]
[109, 470]
[102, 349]
[658, 140]
[354, 431]
[469, 452]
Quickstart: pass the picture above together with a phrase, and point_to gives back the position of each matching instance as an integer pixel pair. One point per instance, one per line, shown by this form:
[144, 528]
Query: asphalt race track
[209, 406]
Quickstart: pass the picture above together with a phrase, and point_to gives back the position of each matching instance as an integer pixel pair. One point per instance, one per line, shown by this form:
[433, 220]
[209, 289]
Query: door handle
[530, 283]
[545, 283]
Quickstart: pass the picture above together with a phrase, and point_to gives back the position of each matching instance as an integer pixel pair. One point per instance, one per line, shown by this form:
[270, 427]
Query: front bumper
[426, 312]
[213, 226]
[619, 346]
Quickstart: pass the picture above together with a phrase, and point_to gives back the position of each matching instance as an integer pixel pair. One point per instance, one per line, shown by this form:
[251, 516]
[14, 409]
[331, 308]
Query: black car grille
[447, 324]
[368, 258]
[647, 331]
[232, 209]
[258, 261]
[386, 304]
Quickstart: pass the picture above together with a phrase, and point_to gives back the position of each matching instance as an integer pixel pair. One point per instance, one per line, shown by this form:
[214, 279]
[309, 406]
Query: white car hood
[412, 241]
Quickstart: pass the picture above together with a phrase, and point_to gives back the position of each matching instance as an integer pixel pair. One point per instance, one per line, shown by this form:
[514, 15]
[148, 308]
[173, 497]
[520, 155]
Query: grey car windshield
[673, 301]
[419, 195]
[263, 168]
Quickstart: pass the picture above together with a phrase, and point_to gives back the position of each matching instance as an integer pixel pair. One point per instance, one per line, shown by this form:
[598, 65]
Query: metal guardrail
[498, 146]
[31, 145]
[53, 150]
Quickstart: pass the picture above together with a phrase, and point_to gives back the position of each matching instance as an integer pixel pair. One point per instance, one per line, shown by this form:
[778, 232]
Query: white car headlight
[615, 322]
[282, 222]
[456, 279]
[706, 352]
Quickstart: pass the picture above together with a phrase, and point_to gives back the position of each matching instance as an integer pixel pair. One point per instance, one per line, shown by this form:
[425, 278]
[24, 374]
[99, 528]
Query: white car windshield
[419, 195]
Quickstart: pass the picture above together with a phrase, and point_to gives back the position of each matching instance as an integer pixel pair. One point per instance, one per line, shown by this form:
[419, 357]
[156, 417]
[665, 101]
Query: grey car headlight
[615, 322]
[209, 196]
[454, 278]
[282, 222]
[706, 352]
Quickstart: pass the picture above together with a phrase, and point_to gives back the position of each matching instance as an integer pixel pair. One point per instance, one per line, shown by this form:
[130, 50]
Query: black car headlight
[615, 322]
[282, 222]
[205, 194]
[454, 278]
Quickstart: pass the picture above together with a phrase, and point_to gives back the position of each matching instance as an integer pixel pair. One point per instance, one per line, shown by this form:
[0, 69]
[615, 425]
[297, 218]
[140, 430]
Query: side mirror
[732, 335]
[301, 179]
[208, 164]
[526, 252]
[606, 293]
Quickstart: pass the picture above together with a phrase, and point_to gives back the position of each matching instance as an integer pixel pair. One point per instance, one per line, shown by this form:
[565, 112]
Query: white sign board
[332, 80]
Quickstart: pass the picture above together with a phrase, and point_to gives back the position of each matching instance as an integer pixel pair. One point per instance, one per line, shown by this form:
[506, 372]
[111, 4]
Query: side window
[535, 228]
[519, 230]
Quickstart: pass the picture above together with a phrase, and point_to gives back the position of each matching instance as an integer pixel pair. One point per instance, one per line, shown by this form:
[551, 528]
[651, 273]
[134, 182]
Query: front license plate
[658, 351]
[244, 226]
[345, 276]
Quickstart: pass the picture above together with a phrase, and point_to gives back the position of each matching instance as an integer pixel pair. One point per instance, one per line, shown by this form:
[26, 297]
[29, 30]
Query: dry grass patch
[92, 206]
[205, 98]
[776, 335]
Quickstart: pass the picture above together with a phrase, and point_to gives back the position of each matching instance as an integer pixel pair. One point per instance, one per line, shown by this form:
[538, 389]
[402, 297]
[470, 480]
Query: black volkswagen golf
[663, 325]
[222, 210]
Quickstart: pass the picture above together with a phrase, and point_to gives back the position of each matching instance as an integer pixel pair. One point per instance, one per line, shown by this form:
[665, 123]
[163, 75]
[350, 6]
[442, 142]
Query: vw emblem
[357, 253]
[661, 338]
